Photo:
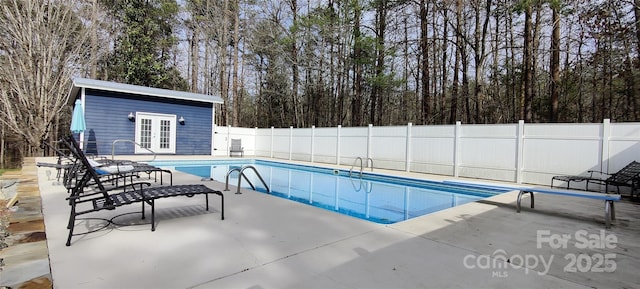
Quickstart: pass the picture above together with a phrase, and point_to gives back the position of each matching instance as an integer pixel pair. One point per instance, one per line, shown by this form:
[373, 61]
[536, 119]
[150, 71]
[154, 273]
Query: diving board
[609, 209]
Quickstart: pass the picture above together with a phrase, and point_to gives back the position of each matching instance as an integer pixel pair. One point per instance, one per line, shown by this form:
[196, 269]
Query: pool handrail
[226, 187]
[242, 175]
[361, 165]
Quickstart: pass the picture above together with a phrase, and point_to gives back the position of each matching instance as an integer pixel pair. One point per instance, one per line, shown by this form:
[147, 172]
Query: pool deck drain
[267, 242]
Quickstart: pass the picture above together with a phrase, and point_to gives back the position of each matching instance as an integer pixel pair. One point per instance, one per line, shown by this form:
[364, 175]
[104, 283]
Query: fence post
[338, 145]
[369, 132]
[255, 141]
[290, 142]
[407, 160]
[313, 139]
[519, 151]
[228, 140]
[606, 135]
[456, 147]
[271, 145]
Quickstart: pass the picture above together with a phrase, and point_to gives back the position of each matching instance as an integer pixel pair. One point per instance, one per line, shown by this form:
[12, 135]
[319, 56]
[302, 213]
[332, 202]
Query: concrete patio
[268, 242]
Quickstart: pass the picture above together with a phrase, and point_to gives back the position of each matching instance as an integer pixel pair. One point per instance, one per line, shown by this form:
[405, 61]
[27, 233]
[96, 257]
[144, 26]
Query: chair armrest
[107, 190]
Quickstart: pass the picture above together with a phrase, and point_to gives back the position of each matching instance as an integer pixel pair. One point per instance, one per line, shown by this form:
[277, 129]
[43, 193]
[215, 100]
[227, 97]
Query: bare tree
[43, 45]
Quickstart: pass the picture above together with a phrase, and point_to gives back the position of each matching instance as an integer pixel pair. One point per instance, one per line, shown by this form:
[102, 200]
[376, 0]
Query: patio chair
[236, 147]
[89, 194]
[629, 176]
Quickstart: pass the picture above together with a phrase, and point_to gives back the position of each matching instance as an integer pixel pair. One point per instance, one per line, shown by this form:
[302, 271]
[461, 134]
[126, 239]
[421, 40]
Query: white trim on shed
[79, 83]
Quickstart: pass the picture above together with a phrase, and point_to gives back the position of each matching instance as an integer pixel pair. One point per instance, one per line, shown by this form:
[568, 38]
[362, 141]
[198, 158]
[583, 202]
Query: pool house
[119, 116]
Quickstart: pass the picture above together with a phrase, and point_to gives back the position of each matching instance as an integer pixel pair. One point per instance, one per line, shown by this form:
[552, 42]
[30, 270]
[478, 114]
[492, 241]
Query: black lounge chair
[629, 176]
[89, 194]
[109, 167]
[72, 168]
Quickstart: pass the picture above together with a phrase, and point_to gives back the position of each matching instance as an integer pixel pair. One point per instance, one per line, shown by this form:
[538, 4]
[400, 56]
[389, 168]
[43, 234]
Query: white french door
[155, 132]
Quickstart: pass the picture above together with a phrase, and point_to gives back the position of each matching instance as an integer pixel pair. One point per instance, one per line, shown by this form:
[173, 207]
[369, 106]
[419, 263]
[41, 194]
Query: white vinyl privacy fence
[522, 153]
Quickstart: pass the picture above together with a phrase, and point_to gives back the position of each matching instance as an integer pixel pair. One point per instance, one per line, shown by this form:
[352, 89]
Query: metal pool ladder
[242, 175]
[360, 159]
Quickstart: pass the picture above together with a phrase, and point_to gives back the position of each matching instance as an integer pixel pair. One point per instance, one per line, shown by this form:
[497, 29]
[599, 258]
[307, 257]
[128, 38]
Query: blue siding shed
[127, 119]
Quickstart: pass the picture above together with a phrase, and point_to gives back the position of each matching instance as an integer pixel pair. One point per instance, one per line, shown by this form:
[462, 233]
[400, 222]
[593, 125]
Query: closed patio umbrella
[77, 120]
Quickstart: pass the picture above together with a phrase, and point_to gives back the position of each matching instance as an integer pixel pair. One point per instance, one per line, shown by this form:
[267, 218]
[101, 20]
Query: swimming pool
[374, 197]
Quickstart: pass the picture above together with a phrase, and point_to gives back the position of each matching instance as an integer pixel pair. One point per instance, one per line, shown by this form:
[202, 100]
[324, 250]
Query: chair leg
[143, 213]
[71, 226]
[71, 217]
[153, 215]
[221, 205]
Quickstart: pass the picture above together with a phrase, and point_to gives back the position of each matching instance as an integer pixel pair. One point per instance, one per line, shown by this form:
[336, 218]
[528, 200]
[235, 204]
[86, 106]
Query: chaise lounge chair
[90, 194]
[106, 166]
[629, 176]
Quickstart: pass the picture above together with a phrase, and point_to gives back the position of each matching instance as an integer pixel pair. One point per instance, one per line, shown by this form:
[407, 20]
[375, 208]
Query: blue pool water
[378, 198]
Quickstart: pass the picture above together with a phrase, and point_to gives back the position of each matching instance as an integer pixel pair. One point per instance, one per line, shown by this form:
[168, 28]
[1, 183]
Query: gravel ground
[8, 190]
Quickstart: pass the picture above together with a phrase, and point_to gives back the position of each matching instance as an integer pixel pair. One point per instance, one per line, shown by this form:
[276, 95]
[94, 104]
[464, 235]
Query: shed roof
[79, 83]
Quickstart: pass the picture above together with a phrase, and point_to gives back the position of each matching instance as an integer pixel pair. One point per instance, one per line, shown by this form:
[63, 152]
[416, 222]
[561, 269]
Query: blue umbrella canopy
[77, 120]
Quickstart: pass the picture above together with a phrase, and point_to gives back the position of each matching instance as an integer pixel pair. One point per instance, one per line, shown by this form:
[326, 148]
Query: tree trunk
[93, 68]
[379, 82]
[527, 85]
[356, 105]
[555, 62]
[404, 104]
[195, 59]
[636, 14]
[424, 62]
[236, 50]
[444, 66]
[222, 58]
[294, 64]
[453, 113]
